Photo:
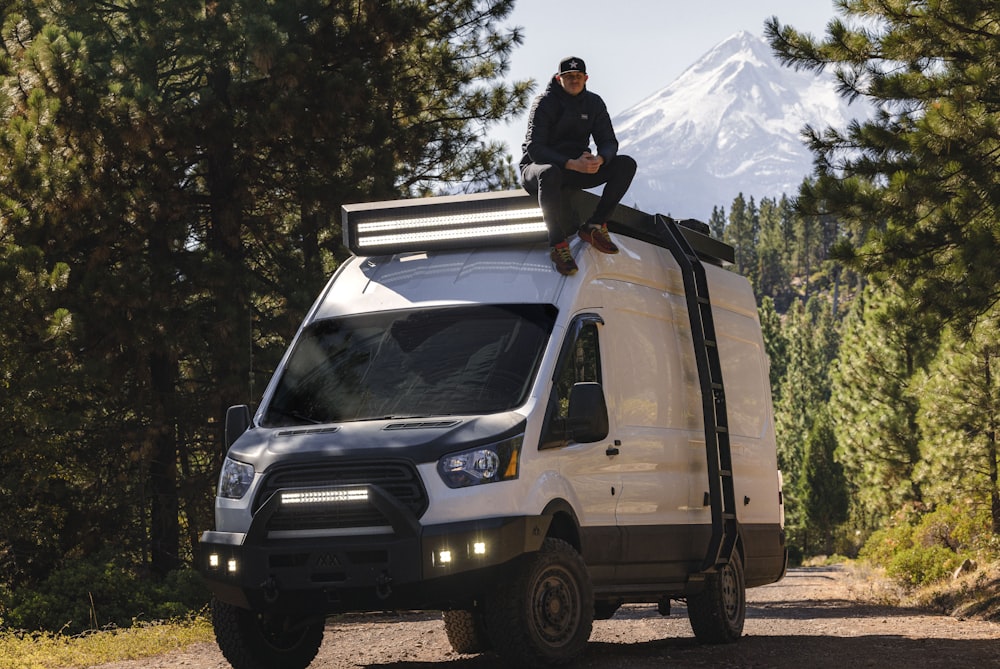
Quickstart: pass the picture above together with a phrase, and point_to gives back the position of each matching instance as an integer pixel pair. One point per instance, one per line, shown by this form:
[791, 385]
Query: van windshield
[415, 363]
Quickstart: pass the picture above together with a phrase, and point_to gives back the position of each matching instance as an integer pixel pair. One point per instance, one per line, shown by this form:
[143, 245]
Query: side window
[579, 361]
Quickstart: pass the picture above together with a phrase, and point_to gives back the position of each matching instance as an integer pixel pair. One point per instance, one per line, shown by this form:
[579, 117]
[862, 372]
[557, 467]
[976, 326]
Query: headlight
[235, 479]
[486, 464]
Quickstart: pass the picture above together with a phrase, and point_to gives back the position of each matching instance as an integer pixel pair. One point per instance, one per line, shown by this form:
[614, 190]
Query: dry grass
[54, 651]
[975, 594]
[870, 584]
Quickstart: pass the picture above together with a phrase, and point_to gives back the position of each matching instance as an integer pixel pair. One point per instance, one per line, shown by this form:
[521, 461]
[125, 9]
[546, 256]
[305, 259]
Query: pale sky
[634, 48]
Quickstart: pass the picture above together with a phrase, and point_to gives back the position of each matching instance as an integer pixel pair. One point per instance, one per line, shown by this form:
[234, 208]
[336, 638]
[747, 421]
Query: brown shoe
[598, 237]
[563, 259]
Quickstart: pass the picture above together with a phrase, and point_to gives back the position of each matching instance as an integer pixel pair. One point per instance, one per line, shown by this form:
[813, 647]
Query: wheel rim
[279, 635]
[731, 594]
[555, 606]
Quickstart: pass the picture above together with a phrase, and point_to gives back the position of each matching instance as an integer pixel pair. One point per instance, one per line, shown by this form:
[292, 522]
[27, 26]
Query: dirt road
[814, 618]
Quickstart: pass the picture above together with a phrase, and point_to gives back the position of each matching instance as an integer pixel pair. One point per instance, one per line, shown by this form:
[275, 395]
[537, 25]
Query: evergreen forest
[171, 177]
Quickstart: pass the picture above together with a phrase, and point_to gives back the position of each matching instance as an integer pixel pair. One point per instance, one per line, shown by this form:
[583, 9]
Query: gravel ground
[816, 617]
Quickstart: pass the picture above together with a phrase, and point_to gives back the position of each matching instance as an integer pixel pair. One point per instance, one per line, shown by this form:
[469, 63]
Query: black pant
[548, 182]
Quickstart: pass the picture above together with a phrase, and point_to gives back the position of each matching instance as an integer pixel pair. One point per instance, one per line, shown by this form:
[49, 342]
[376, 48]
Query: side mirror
[588, 412]
[237, 422]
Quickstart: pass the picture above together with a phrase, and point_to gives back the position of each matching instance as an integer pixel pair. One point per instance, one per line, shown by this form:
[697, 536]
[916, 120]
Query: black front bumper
[413, 567]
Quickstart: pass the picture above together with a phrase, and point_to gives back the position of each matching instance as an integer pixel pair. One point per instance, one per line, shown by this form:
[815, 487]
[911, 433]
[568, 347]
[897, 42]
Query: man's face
[572, 82]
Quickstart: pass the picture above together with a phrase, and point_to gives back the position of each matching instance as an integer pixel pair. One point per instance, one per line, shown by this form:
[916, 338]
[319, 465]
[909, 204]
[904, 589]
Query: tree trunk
[991, 451]
[164, 531]
[991, 438]
[230, 335]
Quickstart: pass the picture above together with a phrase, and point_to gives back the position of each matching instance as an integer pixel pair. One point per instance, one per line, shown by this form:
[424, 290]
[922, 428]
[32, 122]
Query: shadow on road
[777, 652]
[788, 627]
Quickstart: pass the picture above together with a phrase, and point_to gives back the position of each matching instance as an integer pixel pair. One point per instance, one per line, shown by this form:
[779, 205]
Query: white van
[458, 427]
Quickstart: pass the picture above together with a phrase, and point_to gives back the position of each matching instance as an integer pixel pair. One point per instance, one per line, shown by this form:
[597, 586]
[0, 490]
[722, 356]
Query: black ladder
[721, 495]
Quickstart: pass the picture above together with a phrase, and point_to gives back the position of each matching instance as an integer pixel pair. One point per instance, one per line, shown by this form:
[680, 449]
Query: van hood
[419, 440]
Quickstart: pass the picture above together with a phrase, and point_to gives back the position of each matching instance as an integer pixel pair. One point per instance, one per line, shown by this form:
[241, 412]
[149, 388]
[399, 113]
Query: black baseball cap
[572, 64]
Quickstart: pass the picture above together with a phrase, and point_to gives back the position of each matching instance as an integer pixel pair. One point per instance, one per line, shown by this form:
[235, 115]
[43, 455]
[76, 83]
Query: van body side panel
[751, 422]
[596, 482]
[766, 557]
[651, 386]
[751, 425]
[653, 393]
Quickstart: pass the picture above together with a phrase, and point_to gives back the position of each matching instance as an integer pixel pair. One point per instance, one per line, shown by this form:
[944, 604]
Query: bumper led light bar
[324, 496]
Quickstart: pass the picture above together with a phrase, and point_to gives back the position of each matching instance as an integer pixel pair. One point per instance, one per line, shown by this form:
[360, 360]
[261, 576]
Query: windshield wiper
[294, 414]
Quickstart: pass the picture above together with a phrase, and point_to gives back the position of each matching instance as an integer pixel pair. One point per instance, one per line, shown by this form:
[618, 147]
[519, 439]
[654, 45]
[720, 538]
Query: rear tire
[251, 640]
[466, 632]
[717, 613]
[544, 614]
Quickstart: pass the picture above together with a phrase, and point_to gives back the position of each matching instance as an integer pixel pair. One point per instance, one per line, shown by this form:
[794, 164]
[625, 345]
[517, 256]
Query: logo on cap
[572, 64]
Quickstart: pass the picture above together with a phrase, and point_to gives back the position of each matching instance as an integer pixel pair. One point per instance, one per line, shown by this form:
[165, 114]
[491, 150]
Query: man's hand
[587, 163]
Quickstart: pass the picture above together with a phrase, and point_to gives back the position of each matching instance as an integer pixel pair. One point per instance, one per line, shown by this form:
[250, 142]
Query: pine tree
[824, 492]
[874, 402]
[811, 338]
[959, 419]
[717, 222]
[919, 183]
[786, 228]
[742, 234]
[775, 344]
[772, 249]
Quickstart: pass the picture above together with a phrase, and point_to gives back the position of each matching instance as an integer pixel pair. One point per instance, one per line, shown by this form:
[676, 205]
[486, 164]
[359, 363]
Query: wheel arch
[564, 524]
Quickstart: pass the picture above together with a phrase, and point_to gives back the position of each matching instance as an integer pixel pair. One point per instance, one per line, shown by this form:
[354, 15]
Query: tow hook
[383, 586]
[270, 589]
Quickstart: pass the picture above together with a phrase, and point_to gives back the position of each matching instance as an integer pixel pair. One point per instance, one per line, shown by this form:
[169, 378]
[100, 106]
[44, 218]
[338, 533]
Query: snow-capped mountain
[730, 123]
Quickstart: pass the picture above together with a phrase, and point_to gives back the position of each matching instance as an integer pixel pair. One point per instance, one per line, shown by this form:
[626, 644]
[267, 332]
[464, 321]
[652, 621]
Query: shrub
[180, 593]
[921, 565]
[885, 543]
[102, 591]
[918, 547]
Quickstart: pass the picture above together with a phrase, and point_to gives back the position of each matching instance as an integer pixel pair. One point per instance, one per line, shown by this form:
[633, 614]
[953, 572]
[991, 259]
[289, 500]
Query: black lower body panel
[666, 559]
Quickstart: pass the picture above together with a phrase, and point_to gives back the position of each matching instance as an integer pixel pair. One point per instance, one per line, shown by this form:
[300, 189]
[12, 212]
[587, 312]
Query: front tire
[466, 631]
[251, 640]
[718, 612]
[543, 616]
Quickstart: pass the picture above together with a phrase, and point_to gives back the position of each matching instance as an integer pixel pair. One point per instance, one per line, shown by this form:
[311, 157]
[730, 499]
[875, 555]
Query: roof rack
[495, 219]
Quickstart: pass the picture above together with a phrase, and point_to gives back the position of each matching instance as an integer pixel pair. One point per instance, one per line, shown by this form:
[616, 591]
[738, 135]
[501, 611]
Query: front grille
[399, 479]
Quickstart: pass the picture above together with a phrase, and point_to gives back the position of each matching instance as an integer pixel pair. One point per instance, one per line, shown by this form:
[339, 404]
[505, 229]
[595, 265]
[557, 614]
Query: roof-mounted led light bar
[430, 224]
[490, 219]
[433, 229]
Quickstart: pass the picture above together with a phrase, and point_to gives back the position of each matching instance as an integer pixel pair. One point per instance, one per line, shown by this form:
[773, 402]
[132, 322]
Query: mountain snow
[729, 124]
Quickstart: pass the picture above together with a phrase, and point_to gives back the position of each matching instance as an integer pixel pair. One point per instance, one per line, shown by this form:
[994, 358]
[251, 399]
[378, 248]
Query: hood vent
[309, 430]
[422, 425]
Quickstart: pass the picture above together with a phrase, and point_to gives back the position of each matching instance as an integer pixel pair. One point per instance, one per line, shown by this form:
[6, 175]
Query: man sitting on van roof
[557, 155]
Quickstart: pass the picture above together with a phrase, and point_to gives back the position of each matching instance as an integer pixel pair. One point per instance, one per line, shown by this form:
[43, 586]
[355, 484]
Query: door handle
[613, 450]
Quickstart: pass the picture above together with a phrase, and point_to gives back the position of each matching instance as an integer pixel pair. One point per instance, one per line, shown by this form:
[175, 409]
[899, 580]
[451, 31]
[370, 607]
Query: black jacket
[560, 126]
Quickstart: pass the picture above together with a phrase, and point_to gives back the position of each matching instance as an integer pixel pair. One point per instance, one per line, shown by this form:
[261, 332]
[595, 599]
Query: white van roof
[490, 248]
[519, 274]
